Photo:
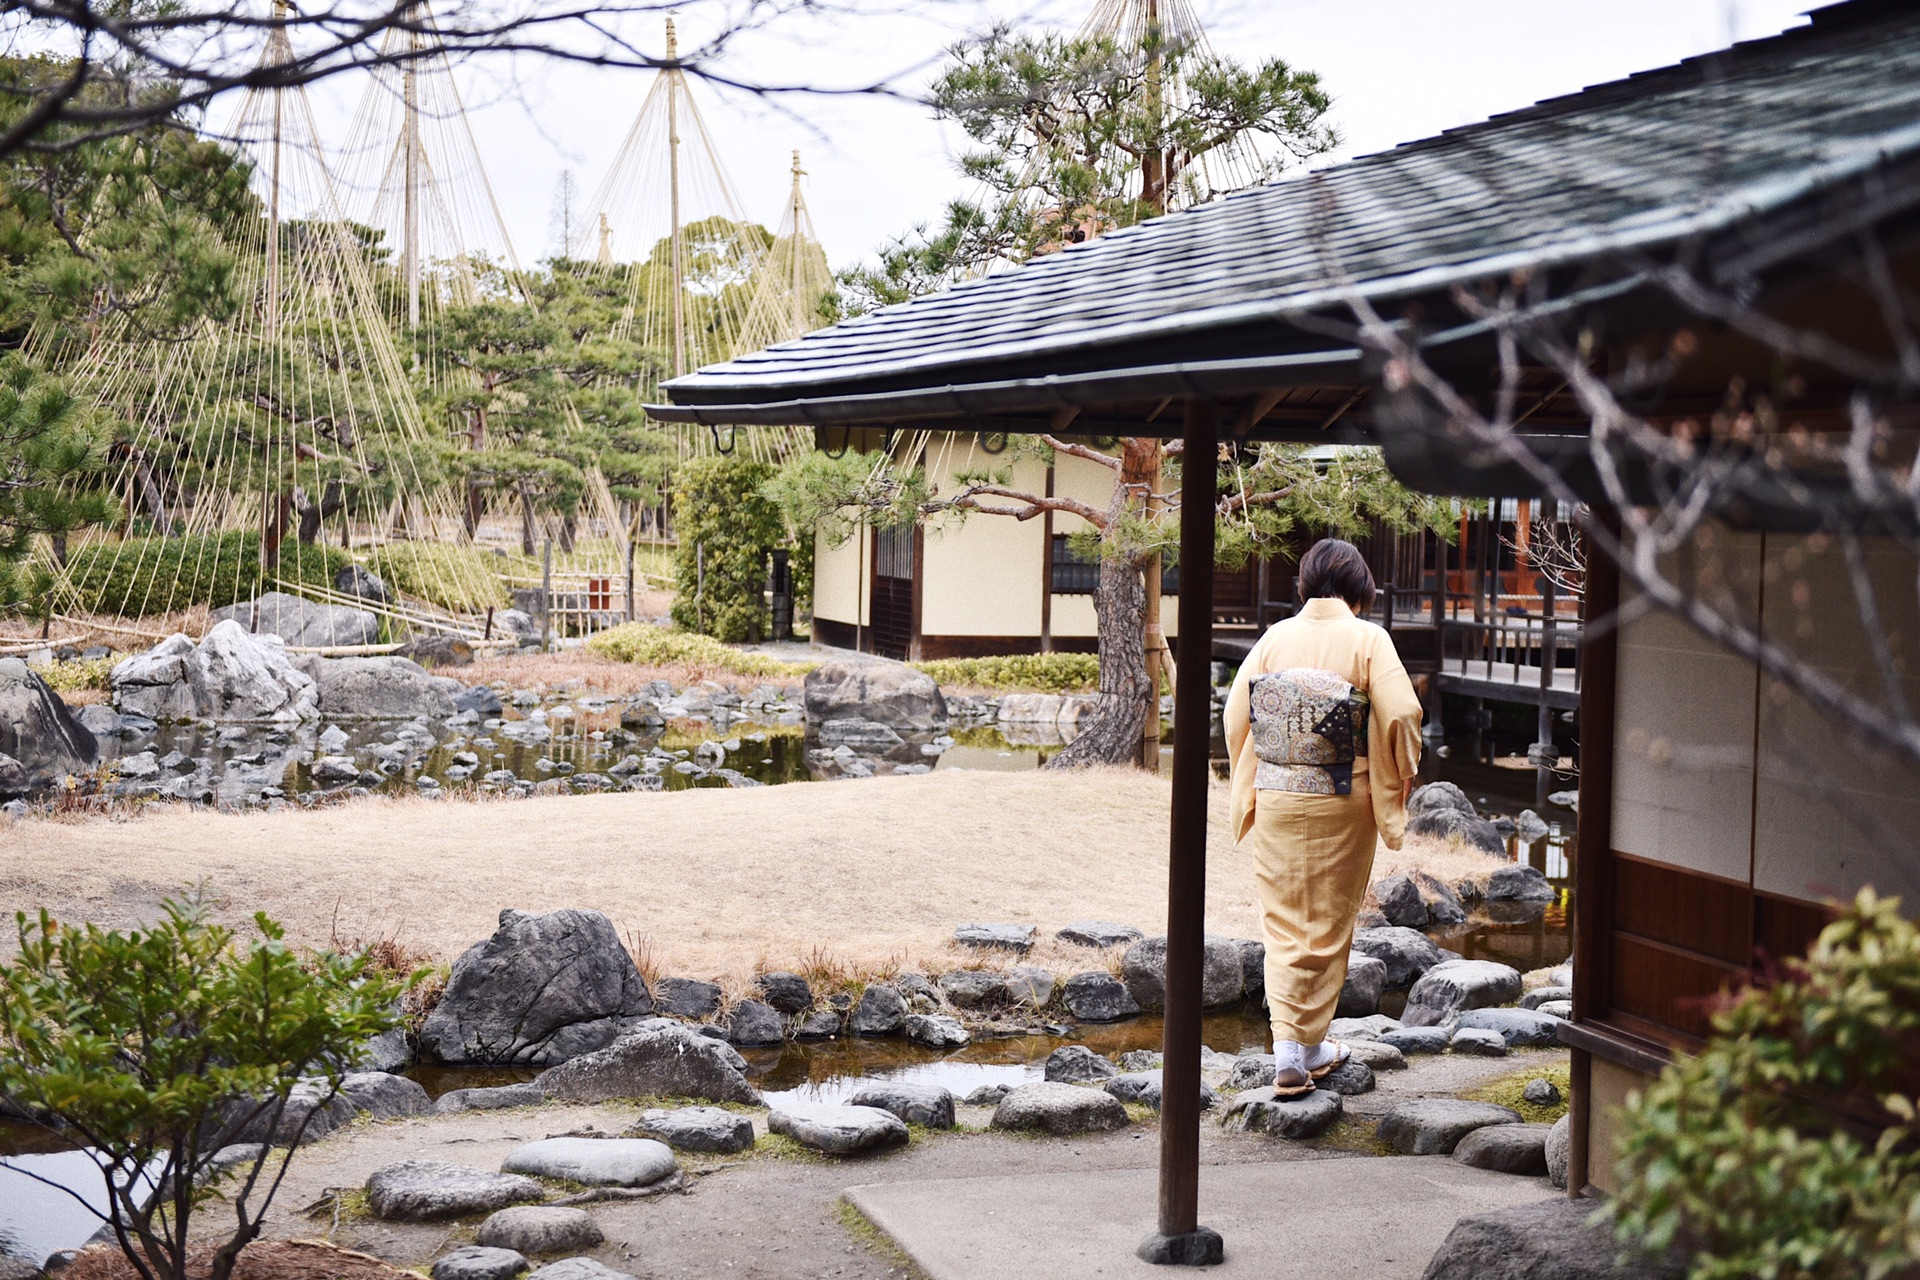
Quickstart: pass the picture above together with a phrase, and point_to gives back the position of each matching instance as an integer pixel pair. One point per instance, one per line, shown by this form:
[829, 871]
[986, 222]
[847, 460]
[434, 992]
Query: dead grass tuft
[580, 669]
[1449, 860]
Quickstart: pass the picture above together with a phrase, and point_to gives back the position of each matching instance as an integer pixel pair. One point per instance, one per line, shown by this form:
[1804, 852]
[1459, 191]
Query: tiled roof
[1636, 164]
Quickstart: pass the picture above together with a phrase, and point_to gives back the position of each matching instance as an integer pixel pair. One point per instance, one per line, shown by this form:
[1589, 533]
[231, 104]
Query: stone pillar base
[1200, 1247]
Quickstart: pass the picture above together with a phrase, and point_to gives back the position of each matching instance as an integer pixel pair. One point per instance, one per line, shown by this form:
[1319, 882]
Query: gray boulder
[388, 1051]
[937, 1031]
[230, 676]
[1253, 968]
[1400, 902]
[1059, 1109]
[1545, 995]
[1520, 1028]
[478, 699]
[1349, 1079]
[1366, 982]
[751, 1022]
[1437, 898]
[593, 1162]
[313, 1109]
[1506, 1148]
[696, 1129]
[686, 997]
[1146, 1088]
[1439, 795]
[1412, 1040]
[1475, 1043]
[1250, 1071]
[1518, 882]
[1222, 980]
[1530, 826]
[1453, 825]
[428, 1190]
[988, 1095]
[476, 1263]
[1542, 1093]
[302, 623]
[97, 718]
[437, 651]
[1406, 953]
[1098, 996]
[1456, 985]
[853, 732]
[1378, 1055]
[542, 989]
[1551, 1238]
[657, 1059]
[882, 1011]
[498, 1098]
[1099, 933]
[384, 1096]
[1558, 1149]
[1364, 1027]
[821, 1024]
[838, 1130]
[786, 992]
[996, 937]
[578, 1268]
[1029, 986]
[362, 582]
[1434, 1126]
[1077, 1064]
[388, 688]
[916, 1103]
[1260, 1111]
[38, 732]
[889, 693]
[539, 1228]
[973, 988]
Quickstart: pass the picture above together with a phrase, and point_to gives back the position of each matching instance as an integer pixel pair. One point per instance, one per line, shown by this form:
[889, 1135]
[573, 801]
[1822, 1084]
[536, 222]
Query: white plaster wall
[982, 576]
[1684, 726]
[1835, 814]
[839, 578]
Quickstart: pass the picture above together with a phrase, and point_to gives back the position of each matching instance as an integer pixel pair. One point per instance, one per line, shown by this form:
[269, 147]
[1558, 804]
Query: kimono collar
[1325, 609]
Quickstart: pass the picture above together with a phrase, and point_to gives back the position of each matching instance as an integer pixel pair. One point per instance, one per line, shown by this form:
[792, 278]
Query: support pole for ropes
[410, 139]
[674, 85]
[1181, 1240]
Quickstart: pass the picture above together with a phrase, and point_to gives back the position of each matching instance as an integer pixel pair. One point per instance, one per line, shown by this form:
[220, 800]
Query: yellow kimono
[1313, 854]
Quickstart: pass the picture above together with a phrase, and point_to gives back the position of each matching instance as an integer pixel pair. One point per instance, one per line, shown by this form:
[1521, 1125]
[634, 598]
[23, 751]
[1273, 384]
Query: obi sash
[1309, 726]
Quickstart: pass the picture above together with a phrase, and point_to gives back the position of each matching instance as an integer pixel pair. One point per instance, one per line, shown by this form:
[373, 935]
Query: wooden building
[1720, 809]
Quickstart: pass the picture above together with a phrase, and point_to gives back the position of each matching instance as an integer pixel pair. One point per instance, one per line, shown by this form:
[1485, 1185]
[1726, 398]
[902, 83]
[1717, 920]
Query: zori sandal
[1339, 1059]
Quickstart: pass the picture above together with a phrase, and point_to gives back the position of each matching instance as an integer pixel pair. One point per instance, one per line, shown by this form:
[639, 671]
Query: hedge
[648, 645]
[138, 577]
[1038, 672]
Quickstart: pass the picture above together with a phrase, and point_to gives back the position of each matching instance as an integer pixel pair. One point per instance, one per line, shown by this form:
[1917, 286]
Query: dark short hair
[1333, 568]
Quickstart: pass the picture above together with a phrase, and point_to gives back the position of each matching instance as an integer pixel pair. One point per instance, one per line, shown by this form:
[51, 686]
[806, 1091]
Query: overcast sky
[1397, 69]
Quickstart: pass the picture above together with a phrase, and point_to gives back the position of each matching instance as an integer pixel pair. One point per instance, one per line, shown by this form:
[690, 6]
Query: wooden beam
[1181, 1240]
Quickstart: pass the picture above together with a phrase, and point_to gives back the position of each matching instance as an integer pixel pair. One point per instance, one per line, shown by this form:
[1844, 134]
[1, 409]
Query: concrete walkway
[1367, 1217]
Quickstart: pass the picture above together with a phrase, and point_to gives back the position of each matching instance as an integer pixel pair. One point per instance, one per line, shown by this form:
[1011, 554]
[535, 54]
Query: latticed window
[893, 552]
[1075, 575]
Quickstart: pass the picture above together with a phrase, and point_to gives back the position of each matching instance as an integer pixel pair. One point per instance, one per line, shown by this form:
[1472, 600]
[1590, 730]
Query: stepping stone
[425, 1190]
[1478, 1043]
[538, 1228]
[1562, 1009]
[1542, 995]
[1434, 1126]
[936, 1031]
[924, 1104]
[1377, 1055]
[1551, 1237]
[1007, 937]
[1077, 1064]
[1371, 1027]
[1520, 1028]
[1307, 1116]
[1099, 933]
[1460, 984]
[1559, 1151]
[578, 1269]
[696, 1129]
[1098, 996]
[1360, 992]
[1059, 1109]
[477, 1263]
[1503, 1148]
[1407, 953]
[1145, 1087]
[1250, 1071]
[838, 1130]
[1412, 1040]
[1349, 1078]
[594, 1162]
[497, 1099]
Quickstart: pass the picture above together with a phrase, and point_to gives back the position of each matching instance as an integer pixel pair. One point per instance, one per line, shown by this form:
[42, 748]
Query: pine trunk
[1113, 735]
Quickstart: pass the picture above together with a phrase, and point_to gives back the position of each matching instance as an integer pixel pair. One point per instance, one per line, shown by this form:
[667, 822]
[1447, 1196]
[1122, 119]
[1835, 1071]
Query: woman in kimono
[1323, 731]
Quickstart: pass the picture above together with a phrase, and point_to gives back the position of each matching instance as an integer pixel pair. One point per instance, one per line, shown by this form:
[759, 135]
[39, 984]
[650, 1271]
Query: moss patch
[875, 1241]
[1506, 1090]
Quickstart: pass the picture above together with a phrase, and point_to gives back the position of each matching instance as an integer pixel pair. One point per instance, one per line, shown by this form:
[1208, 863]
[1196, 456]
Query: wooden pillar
[1181, 1240]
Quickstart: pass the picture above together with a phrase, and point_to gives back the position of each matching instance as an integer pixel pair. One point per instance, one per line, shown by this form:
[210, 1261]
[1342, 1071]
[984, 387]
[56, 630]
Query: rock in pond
[838, 1130]
[539, 1228]
[542, 989]
[37, 732]
[973, 988]
[696, 1129]
[1434, 1126]
[1060, 1109]
[1439, 795]
[786, 992]
[230, 677]
[1098, 996]
[1099, 933]
[1506, 1148]
[1222, 980]
[751, 1022]
[937, 1031]
[1452, 825]
[686, 997]
[1520, 1028]
[1360, 993]
[498, 1098]
[474, 1262]
[1457, 985]
[1146, 1088]
[1550, 1238]
[578, 1269]
[1407, 953]
[923, 1104]
[657, 1059]
[1306, 1116]
[301, 622]
[384, 688]
[882, 1011]
[1029, 986]
[1400, 902]
[594, 1162]
[1518, 882]
[427, 1190]
[889, 693]
[1077, 1064]
[988, 1095]
[1001, 937]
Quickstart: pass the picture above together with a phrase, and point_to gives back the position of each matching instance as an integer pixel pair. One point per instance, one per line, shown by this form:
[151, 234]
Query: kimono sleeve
[1393, 748]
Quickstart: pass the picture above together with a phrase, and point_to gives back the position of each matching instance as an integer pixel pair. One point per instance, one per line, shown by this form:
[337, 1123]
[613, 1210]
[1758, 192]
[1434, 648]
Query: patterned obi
[1309, 726]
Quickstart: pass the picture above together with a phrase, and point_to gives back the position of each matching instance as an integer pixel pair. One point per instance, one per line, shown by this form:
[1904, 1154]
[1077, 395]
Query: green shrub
[77, 674]
[651, 646]
[1034, 672]
[1728, 1155]
[727, 529]
[154, 1048]
[464, 579]
[141, 576]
